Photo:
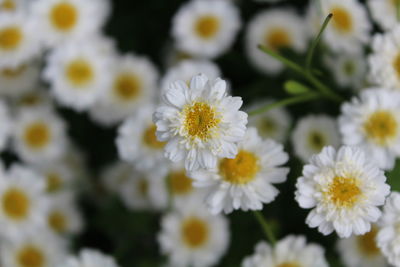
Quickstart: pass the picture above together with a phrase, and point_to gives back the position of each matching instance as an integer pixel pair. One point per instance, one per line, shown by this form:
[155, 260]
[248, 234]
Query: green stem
[288, 63]
[285, 102]
[315, 43]
[264, 225]
[322, 88]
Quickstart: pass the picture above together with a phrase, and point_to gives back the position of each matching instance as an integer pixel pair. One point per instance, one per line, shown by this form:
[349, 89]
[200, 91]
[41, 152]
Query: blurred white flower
[90, 258]
[245, 182]
[6, 126]
[291, 251]
[206, 28]
[372, 121]
[191, 236]
[201, 123]
[344, 190]
[274, 29]
[312, 133]
[384, 12]
[114, 176]
[57, 175]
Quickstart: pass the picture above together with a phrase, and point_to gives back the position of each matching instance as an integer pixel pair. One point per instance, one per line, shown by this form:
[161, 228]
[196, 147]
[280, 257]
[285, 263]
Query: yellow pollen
[31, 256]
[367, 243]
[57, 221]
[14, 72]
[30, 99]
[195, 232]
[289, 264]
[79, 72]
[277, 38]
[54, 182]
[15, 204]
[150, 138]
[64, 16]
[381, 127]
[8, 5]
[10, 38]
[344, 192]
[342, 19]
[200, 120]
[396, 65]
[180, 184]
[37, 135]
[267, 125]
[240, 170]
[316, 141]
[143, 187]
[127, 86]
[207, 26]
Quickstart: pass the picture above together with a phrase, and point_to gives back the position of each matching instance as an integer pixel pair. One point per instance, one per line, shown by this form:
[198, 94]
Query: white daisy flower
[79, 73]
[201, 123]
[312, 133]
[273, 124]
[344, 189]
[6, 125]
[39, 134]
[206, 28]
[384, 61]
[36, 248]
[134, 83]
[384, 13]
[190, 236]
[362, 250]
[186, 69]
[90, 258]
[23, 203]
[18, 42]
[64, 20]
[388, 238]
[292, 251]
[63, 216]
[245, 182]
[372, 121]
[58, 176]
[114, 176]
[274, 29]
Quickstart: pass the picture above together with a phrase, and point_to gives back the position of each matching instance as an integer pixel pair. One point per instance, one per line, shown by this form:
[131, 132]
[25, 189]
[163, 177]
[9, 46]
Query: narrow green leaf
[296, 88]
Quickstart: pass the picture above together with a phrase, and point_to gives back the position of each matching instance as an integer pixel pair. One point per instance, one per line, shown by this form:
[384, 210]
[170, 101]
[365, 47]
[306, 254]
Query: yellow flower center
[240, 170]
[367, 243]
[10, 38]
[13, 72]
[349, 68]
[127, 86]
[277, 38]
[342, 20]
[150, 138]
[143, 187]
[316, 140]
[37, 135]
[289, 264]
[200, 120]
[31, 256]
[30, 99]
[344, 192]
[180, 184]
[15, 204]
[79, 72]
[195, 232]
[267, 125]
[54, 182]
[207, 26]
[396, 64]
[381, 127]
[8, 5]
[57, 221]
[64, 16]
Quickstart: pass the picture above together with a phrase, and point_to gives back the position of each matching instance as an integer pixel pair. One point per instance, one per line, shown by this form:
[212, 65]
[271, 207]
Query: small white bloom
[114, 176]
[205, 28]
[58, 176]
[384, 12]
[343, 189]
[190, 236]
[201, 123]
[245, 182]
[274, 29]
[372, 121]
[292, 251]
[312, 133]
[90, 258]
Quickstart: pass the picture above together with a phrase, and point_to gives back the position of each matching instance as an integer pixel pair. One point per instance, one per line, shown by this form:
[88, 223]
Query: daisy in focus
[205, 28]
[200, 123]
[292, 251]
[344, 190]
[90, 258]
[372, 121]
[245, 181]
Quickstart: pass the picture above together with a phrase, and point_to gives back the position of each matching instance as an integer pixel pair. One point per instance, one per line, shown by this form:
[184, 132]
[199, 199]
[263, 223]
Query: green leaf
[296, 88]
[393, 177]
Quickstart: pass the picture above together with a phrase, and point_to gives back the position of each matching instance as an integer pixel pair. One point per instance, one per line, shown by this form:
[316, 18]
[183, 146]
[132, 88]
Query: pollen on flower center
[200, 120]
[15, 204]
[127, 86]
[8, 5]
[277, 38]
[240, 170]
[344, 192]
[342, 19]
[64, 16]
[79, 72]
[381, 127]
[316, 141]
[143, 187]
[207, 26]
[195, 232]
[150, 138]
[37, 135]
[179, 183]
[14, 72]
[289, 264]
[54, 182]
[57, 221]
[367, 243]
[31, 256]
[10, 38]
